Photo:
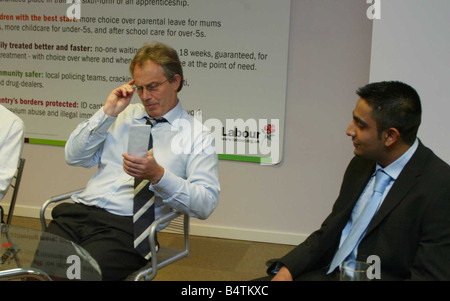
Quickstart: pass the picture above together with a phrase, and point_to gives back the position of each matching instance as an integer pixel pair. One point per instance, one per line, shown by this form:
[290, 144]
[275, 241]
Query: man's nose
[146, 94]
[350, 130]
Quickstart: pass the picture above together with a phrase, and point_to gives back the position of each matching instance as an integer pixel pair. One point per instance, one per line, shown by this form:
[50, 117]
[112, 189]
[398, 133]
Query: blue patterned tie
[144, 208]
[362, 222]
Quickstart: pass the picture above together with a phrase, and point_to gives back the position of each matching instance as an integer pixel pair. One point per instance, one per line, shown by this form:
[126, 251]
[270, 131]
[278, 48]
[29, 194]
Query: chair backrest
[15, 184]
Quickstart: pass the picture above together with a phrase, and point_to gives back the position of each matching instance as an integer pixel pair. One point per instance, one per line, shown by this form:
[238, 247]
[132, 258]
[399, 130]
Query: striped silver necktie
[144, 208]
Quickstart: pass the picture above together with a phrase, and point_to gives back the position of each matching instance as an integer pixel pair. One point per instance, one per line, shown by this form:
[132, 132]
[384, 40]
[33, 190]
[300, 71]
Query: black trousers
[107, 237]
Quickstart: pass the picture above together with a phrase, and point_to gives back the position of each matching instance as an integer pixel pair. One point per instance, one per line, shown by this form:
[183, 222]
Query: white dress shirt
[190, 182]
[11, 145]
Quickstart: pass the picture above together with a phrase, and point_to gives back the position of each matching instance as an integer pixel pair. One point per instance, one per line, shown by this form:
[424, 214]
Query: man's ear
[391, 136]
[177, 80]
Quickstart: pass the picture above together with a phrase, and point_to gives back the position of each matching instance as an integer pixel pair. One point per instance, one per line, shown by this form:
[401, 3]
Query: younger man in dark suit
[410, 231]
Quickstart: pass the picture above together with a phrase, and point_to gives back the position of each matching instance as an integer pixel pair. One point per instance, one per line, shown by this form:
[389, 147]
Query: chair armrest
[166, 255]
[55, 199]
[154, 226]
[19, 273]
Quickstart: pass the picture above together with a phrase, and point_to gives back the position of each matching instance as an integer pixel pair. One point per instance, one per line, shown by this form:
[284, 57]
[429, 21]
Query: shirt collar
[395, 168]
[174, 114]
[170, 116]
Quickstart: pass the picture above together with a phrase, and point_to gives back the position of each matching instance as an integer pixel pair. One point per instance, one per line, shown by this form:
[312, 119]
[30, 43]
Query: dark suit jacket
[410, 232]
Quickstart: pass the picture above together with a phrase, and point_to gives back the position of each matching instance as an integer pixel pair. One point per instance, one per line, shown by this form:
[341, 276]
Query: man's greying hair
[394, 104]
[162, 55]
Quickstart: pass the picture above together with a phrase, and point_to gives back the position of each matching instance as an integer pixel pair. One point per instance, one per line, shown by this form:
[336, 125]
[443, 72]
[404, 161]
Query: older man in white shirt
[101, 220]
[11, 145]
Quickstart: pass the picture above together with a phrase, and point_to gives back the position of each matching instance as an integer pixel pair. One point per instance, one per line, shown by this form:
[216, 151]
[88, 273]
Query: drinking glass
[354, 270]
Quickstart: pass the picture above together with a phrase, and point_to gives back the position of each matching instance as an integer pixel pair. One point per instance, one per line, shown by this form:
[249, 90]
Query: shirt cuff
[275, 268]
[166, 186]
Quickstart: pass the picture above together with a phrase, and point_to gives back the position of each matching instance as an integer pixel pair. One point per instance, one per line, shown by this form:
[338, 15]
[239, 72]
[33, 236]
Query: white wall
[329, 57]
[411, 42]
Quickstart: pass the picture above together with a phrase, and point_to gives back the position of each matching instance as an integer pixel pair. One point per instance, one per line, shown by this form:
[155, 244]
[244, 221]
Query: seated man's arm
[196, 195]
[11, 145]
[84, 147]
[85, 144]
[432, 259]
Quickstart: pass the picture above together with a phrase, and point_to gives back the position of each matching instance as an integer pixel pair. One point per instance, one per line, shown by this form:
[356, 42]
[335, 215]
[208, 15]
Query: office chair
[164, 256]
[15, 184]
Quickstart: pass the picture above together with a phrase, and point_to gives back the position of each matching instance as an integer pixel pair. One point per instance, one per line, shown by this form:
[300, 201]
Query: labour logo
[269, 130]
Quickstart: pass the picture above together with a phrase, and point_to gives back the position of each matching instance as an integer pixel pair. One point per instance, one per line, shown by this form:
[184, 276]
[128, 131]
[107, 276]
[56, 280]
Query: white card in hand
[138, 140]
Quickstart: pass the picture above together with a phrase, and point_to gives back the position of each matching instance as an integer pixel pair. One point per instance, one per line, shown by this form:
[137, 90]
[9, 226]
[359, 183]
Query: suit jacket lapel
[359, 182]
[404, 183]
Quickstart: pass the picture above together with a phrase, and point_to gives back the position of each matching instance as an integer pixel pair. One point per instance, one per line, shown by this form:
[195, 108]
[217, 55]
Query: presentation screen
[60, 60]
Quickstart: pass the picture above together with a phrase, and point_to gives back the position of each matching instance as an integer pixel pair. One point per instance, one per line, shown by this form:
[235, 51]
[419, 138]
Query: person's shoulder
[431, 166]
[133, 110]
[8, 117]
[436, 162]
[135, 107]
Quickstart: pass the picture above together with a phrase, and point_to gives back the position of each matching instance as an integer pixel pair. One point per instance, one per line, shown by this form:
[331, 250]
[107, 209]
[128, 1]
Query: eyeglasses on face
[153, 87]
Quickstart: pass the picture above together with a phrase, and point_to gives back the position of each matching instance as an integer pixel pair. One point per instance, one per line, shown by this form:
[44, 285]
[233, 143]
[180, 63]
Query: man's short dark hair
[394, 104]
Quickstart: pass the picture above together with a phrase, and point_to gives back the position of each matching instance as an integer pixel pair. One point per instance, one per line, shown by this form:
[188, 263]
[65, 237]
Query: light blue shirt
[190, 182]
[393, 170]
